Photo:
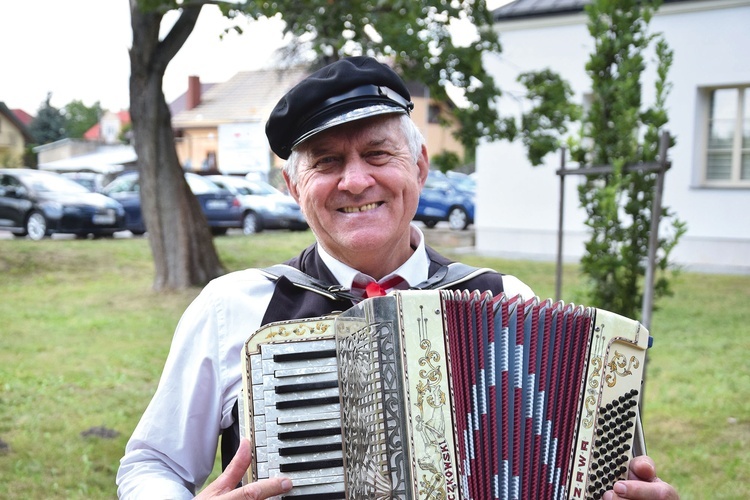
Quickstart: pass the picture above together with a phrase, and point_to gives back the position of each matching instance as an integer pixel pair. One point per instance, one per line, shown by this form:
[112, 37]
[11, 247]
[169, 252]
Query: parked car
[264, 206]
[90, 180]
[440, 201]
[38, 203]
[462, 181]
[222, 208]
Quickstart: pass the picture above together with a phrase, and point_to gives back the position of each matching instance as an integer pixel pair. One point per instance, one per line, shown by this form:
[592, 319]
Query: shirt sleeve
[172, 449]
[512, 286]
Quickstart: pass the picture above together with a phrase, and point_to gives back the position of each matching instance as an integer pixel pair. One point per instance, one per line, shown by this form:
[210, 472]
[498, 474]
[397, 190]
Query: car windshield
[53, 183]
[262, 188]
[200, 185]
[464, 182]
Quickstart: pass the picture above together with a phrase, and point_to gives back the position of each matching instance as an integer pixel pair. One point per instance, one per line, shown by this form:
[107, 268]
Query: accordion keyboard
[297, 417]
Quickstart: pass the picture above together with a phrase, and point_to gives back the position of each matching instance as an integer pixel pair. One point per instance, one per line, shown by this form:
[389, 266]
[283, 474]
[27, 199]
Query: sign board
[243, 148]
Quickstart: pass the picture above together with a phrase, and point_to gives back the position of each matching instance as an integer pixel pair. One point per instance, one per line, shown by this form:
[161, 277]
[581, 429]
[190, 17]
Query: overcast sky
[78, 50]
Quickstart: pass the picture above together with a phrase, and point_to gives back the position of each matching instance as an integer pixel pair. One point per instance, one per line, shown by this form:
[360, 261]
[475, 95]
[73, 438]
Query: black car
[222, 208]
[38, 203]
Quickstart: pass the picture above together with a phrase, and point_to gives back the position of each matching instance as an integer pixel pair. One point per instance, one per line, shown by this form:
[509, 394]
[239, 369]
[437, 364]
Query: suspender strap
[450, 275]
[303, 280]
[446, 276]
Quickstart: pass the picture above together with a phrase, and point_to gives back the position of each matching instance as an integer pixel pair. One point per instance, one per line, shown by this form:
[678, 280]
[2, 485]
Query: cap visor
[350, 116]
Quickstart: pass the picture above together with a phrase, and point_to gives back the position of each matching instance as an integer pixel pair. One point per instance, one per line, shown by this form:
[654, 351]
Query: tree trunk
[181, 241]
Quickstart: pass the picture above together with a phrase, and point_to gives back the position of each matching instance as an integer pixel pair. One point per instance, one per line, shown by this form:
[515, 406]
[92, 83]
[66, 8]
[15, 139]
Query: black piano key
[307, 386]
[301, 403]
[309, 433]
[313, 448]
[301, 356]
[334, 495]
[311, 465]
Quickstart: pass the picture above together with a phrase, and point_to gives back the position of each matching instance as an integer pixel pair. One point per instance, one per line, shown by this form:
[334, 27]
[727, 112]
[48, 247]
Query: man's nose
[356, 176]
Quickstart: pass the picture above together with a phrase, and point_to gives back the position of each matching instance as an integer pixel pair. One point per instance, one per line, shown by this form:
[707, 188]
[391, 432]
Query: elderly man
[356, 164]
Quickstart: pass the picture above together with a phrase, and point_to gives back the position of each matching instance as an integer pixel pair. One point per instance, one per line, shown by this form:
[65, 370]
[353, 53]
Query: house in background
[110, 129]
[14, 135]
[22, 115]
[708, 185]
[100, 151]
[222, 128]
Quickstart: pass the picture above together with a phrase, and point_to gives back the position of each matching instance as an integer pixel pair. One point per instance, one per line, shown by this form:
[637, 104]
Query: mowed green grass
[83, 339]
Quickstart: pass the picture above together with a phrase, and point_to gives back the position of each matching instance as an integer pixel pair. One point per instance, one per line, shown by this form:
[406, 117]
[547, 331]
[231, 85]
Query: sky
[78, 50]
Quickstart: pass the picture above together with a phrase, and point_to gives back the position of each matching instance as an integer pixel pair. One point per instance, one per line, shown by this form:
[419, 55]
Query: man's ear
[291, 187]
[423, 164]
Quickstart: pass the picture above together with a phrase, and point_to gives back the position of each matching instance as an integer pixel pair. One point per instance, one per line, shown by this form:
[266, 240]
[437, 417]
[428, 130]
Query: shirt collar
[415, 270]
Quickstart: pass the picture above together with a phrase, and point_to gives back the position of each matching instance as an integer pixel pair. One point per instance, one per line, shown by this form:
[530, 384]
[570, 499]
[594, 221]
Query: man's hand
[642, 483]
[224, 485]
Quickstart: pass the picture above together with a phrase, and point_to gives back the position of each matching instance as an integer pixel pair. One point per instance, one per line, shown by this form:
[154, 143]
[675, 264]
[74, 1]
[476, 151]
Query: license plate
[107, 218]
[216, 205]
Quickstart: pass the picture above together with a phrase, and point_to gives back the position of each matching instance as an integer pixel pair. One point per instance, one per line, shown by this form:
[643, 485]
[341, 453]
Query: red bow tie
[374, 289]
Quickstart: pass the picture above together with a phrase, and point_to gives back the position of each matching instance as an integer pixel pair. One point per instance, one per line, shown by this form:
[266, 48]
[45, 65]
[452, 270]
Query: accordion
[445, 395]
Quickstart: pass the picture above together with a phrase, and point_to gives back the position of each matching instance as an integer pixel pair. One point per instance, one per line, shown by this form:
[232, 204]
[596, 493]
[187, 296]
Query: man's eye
[325, 162]
[377, 156]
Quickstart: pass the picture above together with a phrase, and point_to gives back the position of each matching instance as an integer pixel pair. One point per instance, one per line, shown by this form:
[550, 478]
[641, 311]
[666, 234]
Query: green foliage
[445, 161]
[619, 205]
[49, 123]
[546, 123]
[72, 121]
[413, 36]
[79, 118]
[616, 131]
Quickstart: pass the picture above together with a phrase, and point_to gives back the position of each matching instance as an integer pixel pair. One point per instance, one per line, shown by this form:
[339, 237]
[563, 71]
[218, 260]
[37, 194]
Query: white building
[709, 189]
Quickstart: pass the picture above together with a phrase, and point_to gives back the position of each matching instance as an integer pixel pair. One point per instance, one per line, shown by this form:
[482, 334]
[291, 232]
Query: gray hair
[414, 139]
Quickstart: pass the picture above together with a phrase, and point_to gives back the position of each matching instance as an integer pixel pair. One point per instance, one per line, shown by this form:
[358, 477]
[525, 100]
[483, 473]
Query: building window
[433, 114]
[728, 141]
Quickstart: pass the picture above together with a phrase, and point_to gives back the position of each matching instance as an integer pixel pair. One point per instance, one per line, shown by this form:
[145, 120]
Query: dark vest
[291, 302]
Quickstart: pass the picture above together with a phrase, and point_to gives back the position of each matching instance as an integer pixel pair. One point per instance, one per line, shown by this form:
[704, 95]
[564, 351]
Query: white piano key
[270, 383]
[268, 351]
[274, 444]
[333, 473]
[305, 418]
[329, 366]
[261, 438]
[279, 459]
[316, 479]
[273, 413]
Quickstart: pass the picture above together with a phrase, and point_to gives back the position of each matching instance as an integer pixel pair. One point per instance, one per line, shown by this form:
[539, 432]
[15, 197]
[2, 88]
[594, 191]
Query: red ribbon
[374, 290]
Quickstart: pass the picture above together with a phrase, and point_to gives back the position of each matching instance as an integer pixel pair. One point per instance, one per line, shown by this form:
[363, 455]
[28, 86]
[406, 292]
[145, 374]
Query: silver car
[264, 206]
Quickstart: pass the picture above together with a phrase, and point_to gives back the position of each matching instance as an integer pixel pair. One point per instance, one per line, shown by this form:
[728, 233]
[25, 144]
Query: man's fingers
[642, 490]
[265, 488]
[642, 468]
[225, 485]
[239, 464]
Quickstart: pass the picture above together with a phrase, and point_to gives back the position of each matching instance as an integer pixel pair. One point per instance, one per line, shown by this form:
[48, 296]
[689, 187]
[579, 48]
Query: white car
[264, 206]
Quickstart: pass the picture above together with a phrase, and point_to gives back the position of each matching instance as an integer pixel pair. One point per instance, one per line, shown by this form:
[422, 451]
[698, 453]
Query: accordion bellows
[445, 394]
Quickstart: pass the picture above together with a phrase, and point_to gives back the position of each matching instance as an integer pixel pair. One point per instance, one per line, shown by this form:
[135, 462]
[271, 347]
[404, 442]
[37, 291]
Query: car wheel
[36, 226]
[430, 223]
[458, 218]
[250, 223]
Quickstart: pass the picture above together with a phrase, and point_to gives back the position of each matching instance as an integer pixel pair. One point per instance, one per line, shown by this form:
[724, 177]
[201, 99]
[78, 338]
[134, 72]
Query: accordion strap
[304, 280]
[446, 276]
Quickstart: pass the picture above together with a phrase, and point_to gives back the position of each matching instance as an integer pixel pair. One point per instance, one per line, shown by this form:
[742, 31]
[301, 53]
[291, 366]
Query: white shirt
[172, 450]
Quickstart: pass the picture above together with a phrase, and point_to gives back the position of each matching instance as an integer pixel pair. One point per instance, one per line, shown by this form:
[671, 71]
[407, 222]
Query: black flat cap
[349, 89]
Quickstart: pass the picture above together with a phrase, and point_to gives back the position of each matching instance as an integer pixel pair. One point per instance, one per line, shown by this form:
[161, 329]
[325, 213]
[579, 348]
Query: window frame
[737, 149]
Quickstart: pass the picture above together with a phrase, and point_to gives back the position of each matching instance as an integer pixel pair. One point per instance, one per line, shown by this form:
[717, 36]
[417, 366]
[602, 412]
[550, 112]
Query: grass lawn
[83, 339]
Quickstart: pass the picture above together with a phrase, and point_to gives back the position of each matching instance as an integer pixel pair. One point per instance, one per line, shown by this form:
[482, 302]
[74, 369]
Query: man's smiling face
[358, 185]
